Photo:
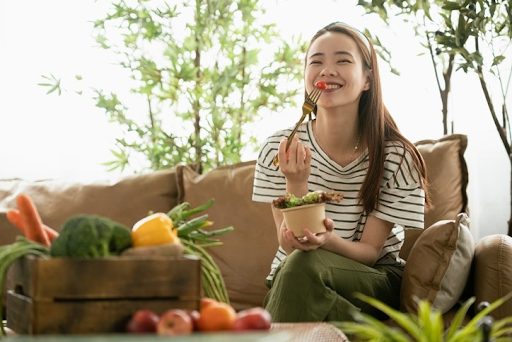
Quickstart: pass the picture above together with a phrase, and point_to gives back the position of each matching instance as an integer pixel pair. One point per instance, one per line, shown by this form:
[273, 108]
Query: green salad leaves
[290, 200]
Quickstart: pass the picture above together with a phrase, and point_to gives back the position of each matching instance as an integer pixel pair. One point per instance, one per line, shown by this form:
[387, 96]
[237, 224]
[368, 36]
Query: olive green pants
[319, 286]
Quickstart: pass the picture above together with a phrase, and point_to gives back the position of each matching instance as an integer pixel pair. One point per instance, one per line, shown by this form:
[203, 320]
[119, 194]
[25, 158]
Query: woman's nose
[328, 72]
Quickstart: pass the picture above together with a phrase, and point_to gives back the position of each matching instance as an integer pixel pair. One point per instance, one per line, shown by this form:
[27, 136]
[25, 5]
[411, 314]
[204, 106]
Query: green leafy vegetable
[196, 239]
[290, 200]
[88, 236]
[8, 254]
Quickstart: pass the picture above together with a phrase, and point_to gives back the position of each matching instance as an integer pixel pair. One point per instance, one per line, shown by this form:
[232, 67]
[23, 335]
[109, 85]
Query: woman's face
[335, 59]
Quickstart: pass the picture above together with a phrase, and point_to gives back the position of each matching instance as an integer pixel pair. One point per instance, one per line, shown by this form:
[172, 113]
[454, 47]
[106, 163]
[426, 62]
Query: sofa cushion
[493, 265]
[247, 252]
[447, 175]
[439, 265]
[126, 199]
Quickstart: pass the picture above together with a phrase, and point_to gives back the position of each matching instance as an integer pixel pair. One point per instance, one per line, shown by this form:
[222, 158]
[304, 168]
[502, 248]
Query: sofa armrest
[493, 272]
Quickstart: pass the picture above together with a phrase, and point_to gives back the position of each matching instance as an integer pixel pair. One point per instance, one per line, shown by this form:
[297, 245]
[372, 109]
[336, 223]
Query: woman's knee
[306, 262]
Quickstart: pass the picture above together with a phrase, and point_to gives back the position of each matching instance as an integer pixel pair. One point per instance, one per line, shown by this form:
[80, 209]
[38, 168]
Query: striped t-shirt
[401, 198]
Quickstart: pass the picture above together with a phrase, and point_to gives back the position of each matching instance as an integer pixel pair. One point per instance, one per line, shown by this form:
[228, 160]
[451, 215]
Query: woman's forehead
[331, 43]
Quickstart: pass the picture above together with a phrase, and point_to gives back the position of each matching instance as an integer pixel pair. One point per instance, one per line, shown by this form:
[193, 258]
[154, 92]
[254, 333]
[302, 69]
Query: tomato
[321, 85]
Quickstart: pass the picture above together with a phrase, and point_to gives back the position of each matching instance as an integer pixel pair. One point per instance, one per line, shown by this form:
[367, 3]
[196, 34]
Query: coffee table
[314, 331]
[280, 332]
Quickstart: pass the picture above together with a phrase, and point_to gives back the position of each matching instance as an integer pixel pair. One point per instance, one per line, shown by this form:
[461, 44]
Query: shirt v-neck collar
[324, 155]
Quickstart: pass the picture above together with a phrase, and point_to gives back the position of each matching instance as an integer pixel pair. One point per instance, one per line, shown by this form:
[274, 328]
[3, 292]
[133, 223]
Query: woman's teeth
[333, 86]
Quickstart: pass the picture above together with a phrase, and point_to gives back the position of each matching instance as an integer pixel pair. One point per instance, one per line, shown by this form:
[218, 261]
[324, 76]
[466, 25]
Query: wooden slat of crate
[66, 278]
[26, 316]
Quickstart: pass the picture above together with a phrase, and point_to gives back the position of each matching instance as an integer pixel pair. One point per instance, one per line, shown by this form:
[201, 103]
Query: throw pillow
[244, 264]
[447, 175]
[438, 266]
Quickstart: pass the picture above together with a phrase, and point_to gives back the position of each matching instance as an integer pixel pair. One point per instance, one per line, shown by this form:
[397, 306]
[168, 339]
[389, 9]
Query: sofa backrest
[125, 199]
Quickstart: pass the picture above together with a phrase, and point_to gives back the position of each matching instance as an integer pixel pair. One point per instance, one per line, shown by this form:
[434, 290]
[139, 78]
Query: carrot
[14, 216]
[50, 232]
[31, 221]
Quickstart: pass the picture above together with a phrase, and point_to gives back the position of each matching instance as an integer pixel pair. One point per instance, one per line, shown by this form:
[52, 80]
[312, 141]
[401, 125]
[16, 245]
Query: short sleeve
[401, 197]
[269, 182]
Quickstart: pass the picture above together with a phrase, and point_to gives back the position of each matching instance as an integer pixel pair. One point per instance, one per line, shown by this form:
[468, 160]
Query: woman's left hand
[310, 241]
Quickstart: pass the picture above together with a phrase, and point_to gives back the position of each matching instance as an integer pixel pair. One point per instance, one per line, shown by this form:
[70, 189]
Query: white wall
[45, 136]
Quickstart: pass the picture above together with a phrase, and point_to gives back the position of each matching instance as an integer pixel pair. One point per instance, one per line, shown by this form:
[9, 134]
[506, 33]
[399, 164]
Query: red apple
[194, 316]
[174, 322]
[253, 319]
[142, 322]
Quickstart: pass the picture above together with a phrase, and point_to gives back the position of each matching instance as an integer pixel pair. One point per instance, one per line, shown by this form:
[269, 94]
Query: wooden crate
[86, 296]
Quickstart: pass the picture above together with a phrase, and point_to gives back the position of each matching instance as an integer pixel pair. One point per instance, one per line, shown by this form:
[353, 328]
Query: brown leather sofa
[435, 257]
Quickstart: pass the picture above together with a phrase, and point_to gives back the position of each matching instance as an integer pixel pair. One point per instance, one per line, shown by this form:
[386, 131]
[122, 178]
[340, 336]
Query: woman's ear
[367, 84]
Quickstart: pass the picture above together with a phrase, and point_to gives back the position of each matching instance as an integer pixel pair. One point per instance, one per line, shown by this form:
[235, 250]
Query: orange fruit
[205, 301]
[216, 317]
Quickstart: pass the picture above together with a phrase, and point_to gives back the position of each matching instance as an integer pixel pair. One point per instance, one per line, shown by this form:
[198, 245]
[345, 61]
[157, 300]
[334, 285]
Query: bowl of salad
[306, 212]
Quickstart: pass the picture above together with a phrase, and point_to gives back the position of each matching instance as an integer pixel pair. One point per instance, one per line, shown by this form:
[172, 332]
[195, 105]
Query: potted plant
[427, 325]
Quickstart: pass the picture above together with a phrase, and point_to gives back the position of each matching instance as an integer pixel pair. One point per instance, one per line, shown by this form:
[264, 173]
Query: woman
[353, 146]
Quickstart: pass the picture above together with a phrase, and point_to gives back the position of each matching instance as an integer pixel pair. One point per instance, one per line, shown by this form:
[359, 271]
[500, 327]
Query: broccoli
[89, 236]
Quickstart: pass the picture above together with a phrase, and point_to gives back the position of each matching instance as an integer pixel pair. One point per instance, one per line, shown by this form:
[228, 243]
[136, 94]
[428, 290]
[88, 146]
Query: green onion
[10, 253]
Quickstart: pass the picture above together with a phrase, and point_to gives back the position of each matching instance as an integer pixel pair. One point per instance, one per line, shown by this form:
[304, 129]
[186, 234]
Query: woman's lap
[319, 286]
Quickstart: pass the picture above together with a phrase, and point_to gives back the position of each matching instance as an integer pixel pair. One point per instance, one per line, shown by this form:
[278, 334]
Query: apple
[253, 319]
[142, 322]
[174, 322]
[194, 316]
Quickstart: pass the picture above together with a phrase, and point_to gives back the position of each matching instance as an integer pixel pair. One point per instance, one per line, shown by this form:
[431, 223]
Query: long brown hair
[376, 124]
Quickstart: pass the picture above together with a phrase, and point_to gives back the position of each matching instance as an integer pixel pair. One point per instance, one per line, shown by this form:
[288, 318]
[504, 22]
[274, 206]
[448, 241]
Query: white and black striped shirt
[401, 198]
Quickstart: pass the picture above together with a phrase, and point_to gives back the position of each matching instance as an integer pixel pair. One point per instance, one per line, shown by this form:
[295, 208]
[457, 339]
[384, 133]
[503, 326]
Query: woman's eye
[344, 61]
[314, 62]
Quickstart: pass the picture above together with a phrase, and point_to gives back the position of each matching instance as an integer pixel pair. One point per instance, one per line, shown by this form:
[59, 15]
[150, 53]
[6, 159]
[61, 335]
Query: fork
[307, 107]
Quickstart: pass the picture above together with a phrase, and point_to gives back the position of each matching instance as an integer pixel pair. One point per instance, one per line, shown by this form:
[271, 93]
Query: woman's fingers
[303, 244]
[292, 150]
[281, 152]
[297, 153]
[329, 224]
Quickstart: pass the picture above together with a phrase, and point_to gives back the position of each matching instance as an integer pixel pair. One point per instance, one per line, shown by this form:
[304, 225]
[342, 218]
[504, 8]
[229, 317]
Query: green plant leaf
[497, 60]
[451, 6]
[459, 318]
[401, 319]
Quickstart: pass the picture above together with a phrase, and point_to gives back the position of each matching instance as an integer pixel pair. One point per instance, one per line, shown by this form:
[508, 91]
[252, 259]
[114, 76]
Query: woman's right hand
[295, 164]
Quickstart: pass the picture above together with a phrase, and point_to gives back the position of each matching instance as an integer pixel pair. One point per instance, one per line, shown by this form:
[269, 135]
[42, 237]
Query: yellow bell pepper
[156, 229]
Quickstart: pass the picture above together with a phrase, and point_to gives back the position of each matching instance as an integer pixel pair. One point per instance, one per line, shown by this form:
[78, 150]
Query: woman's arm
[367, 250]
[295, 164]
